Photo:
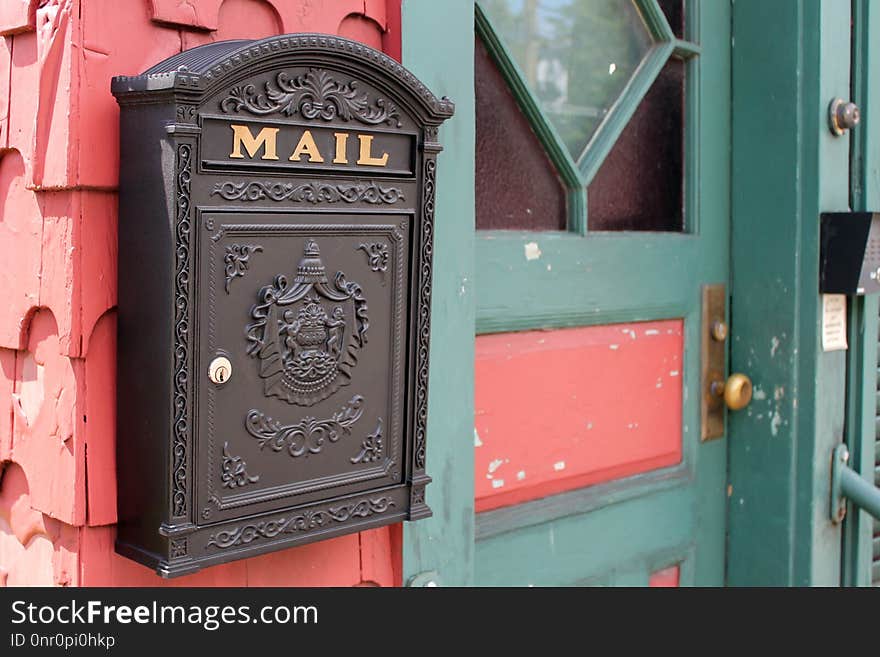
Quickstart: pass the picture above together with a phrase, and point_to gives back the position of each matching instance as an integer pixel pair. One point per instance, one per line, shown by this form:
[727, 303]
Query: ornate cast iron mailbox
[276, 223]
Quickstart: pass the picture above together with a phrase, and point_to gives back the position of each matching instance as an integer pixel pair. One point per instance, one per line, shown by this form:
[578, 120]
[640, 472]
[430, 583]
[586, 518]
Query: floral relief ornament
[233, 470]
[310, 435]
[377, 255]
[237, 260]
[314, 95]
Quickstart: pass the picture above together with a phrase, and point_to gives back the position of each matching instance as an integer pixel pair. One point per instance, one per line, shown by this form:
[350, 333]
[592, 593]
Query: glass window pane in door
[640, 185]
[674, 10]
[577, 56]
[517, 185]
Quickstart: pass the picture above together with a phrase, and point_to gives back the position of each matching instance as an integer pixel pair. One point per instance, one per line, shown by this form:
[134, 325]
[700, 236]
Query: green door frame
[861, 408]
[789, 60]
[438, 47]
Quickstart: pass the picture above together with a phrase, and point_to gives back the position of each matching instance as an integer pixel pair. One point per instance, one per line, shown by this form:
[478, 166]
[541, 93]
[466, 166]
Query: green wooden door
[576, 491]
[758, 175]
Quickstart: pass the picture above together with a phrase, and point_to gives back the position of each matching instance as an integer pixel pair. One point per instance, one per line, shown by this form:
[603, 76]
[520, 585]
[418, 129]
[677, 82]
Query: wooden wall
[58, 217]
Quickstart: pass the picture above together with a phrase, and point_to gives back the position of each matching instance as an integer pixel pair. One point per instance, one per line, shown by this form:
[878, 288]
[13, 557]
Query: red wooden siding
[563, 409]
[58, 176]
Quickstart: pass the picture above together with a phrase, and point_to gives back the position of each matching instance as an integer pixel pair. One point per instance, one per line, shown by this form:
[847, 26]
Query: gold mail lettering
[307, 149]
[267, 138]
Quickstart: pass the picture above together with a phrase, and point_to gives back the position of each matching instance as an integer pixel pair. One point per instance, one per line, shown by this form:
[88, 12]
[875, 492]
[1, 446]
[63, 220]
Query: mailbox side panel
[145, 329]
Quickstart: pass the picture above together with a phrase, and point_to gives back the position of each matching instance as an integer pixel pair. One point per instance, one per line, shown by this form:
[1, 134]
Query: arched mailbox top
[200, 72]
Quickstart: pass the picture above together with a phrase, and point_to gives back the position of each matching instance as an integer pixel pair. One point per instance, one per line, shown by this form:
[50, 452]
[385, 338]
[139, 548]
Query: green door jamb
[790, 59]
[860, 432]
[862, 368]
[438, 47]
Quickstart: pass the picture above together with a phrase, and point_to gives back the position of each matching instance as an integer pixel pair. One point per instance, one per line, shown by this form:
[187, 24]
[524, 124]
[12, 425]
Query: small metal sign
[834, 322]
[276, 225]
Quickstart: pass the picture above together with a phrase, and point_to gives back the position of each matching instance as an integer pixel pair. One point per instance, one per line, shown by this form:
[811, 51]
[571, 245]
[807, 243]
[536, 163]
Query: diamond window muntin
[576, 81]
[498, 22]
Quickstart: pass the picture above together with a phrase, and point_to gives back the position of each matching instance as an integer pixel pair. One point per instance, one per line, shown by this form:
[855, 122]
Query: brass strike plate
[714, 338]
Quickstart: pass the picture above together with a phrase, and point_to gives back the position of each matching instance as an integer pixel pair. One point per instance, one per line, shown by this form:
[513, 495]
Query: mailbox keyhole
[220, 370]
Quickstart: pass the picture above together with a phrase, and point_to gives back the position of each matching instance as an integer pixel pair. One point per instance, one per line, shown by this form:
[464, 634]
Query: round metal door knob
[220, 370]
[843, 116]
[737, 391]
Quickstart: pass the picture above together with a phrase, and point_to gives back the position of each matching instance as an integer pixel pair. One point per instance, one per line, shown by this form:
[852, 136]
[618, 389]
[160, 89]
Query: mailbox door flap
[301, 359]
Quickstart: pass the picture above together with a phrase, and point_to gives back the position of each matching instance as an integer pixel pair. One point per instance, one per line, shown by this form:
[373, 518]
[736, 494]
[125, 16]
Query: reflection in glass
[516, 183]
[674, 11]
[577, 56]
[640, 185]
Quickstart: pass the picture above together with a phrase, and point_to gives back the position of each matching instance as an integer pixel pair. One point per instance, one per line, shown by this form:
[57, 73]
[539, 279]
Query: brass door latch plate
[714, 334]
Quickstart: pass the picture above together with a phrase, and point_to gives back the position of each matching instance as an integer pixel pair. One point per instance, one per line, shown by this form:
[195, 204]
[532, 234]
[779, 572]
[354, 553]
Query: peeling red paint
[47, 439]
[361, 28]
[35, 550]
[292, 15]
[21, 234]
[17, 16]
[554, 409]
[99, 419]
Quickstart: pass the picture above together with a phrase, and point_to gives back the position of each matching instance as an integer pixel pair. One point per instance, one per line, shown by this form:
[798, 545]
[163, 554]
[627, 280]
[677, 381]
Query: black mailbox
[850, 253]
[275, 247]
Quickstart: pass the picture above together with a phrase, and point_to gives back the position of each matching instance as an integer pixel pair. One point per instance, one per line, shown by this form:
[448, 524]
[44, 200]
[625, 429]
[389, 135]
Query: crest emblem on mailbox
[307, 333]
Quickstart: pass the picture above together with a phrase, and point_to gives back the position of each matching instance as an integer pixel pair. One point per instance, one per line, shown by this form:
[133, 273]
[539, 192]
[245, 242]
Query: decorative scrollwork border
[186, 113]
[377, 255]
[233, 470]
[306, 521]
[181, 381]
[424, 313]
[179, 547]
[237, 260]
[371, 447]
[310, 192]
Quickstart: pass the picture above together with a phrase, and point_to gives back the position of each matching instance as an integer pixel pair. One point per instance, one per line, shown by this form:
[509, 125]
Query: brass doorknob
[737, 391]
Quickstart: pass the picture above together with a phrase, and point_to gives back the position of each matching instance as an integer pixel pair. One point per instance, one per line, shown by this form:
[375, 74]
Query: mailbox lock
[220, 370]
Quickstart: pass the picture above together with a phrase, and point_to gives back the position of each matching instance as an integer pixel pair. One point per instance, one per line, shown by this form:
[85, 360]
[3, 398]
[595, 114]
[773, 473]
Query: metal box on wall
[275, 246]
[850, 253]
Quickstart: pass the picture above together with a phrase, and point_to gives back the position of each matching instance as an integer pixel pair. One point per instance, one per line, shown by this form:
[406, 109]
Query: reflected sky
[577, 56]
